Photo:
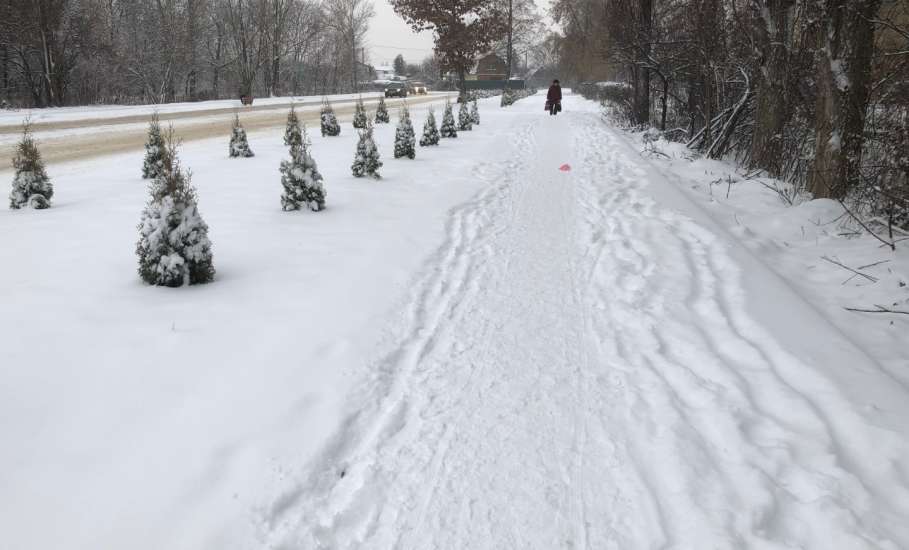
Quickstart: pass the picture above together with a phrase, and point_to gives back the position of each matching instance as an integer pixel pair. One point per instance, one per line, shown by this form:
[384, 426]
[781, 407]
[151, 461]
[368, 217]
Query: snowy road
[581, 366]
[83, 136]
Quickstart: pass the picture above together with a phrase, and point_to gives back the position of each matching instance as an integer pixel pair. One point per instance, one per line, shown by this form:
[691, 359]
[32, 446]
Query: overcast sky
[390, 36]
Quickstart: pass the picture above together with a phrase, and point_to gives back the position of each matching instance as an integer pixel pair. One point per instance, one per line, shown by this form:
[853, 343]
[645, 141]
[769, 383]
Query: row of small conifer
[173, 246]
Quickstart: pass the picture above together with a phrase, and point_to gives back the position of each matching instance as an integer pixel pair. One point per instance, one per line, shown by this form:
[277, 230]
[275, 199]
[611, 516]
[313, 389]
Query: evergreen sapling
[405, 139]
[367, 161]
[360, 119]
[330, 126]
[448, 130]
[31, 185]
[239, 146]
[464, 121]
[430, 130]
[474, 112]
[382, 112]
[154, 149]
[173, 248]
[292, 128]
[300, 176]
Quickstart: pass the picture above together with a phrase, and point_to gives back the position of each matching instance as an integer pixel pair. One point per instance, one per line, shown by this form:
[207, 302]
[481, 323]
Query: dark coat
[555, 94]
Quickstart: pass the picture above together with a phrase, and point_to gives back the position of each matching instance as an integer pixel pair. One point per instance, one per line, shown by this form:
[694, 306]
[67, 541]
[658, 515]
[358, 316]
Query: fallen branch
[874, 264]
[880, 309]
[847, 268]
[892, 245]
[780, 192]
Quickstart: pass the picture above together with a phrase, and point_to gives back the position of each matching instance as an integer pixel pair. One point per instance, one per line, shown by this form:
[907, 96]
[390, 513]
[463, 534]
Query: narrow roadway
[91, 138]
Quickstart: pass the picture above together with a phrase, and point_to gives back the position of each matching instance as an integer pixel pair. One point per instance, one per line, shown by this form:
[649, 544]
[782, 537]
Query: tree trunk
[353, 59]
[773, 109]
[5, 76]
[510, 53]
[843, 70]
[642, 85]
[664, 101]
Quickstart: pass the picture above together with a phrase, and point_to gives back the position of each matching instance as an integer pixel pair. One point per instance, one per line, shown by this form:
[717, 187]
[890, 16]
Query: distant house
[489, 67]
[385, 72]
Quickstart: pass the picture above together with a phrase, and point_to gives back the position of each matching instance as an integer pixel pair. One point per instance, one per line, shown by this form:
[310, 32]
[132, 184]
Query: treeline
[73, 52]
[815, 92]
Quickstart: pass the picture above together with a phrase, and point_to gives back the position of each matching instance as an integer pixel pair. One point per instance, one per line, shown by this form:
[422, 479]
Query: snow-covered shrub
[173, 248]
[510, 96]
[507, 97]
[405, 139]
[360, 119]
[367, 161]
[31, 186]
[330, 126]
[448, 130]
[154, 149]
[382, 112]
[465, 123]
[430, 130]
[484, 94]
[474, 112]
[300, 176]
[239, 146]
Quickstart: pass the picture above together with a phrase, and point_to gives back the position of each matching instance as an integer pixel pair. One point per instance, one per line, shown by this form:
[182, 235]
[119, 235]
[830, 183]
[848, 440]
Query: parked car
[419, 88]
[396, 89]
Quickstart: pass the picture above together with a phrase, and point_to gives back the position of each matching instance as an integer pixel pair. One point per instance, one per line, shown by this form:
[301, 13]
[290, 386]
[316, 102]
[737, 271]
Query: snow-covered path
[579, 367]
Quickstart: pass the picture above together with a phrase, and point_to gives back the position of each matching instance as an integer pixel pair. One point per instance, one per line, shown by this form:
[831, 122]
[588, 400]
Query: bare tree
[843, 70]
[349, 19]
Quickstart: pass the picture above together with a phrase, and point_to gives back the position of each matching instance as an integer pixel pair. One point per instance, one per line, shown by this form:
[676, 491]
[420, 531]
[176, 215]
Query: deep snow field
[477, 351]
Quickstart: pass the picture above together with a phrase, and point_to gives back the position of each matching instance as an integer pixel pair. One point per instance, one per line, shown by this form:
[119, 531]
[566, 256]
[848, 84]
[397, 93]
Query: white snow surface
[478, 351]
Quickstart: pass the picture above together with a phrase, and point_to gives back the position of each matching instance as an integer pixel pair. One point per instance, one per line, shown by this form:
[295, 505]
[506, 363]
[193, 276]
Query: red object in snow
[565, 168]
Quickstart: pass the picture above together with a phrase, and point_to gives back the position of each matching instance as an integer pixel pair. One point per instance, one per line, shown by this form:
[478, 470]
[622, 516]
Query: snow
[794, 240]
[838, 68]
[149, 418]
[476, 351]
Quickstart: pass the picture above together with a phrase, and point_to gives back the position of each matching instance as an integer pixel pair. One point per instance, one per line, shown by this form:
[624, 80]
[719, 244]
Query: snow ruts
[577, 369]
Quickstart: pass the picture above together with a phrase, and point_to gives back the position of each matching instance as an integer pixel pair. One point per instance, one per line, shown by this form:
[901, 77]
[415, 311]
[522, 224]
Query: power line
[400, 47]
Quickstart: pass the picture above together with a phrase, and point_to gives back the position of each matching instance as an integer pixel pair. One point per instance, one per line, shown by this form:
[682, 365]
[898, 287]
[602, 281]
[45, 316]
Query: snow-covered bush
[405, 139]
[510, 96]
[330, 126]
[484, 94]
[507, 97]
[154, 149]
[382, 112]
[430, 130]
[474, 112]
[239, 146]
[360, 119]
[300, 176]
[173, 248]
[367, 161]
[448, 130]
[465, 124]
[31, 186]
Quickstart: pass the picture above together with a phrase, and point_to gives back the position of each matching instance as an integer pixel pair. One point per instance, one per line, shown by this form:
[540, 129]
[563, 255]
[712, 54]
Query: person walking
[554, 98]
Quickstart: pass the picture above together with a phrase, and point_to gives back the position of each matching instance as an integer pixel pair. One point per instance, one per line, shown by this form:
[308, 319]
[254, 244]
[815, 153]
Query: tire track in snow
[771, 442]
[577, 370]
